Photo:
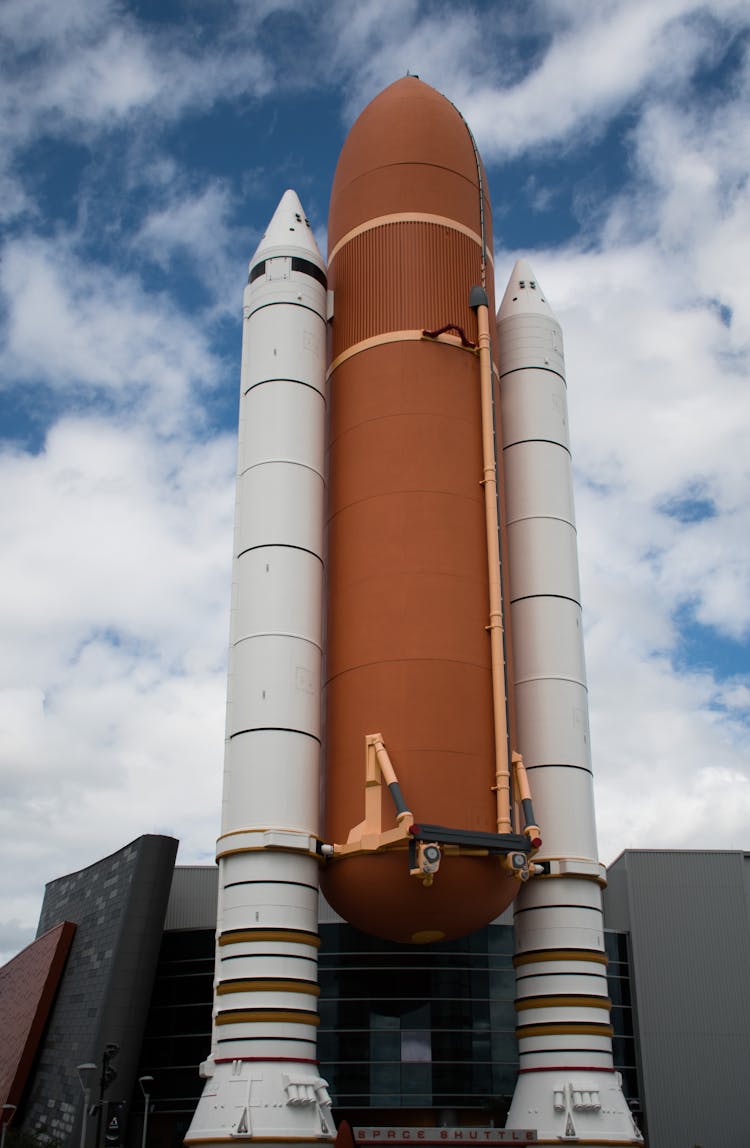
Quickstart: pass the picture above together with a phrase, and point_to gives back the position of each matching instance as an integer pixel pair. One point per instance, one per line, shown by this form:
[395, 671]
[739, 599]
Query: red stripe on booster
[568, 1068]
[267, 1059]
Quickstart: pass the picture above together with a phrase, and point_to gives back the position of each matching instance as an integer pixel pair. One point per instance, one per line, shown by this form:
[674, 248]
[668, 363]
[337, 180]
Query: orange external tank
[407, 647]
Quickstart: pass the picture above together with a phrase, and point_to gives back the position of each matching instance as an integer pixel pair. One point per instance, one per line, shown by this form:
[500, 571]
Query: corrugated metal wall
[193, 898]
[418, 276]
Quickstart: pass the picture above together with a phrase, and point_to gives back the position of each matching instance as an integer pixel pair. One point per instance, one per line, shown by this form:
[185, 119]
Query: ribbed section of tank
[416, 274]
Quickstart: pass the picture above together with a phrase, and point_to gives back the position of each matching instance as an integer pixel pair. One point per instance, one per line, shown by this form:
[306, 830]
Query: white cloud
[377, 43]
[671, 773]
[32, 24]
[655, 415]
[125, 515]
[88, 65]
[604, 57]
[81, 63]
[591, 60]
[655, 310]
[79, 70]
[108, 78]
[94, 330]
[695, 164]
[116, 535]
[669, 743]
[195, 226]
[113, 608]
[14, 199]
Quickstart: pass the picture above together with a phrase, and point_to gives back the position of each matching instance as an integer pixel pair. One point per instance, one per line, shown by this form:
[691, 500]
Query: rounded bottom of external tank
[375, 893]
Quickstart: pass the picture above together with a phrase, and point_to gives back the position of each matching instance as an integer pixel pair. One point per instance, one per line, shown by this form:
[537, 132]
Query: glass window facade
[429, 1029]
[416, 1026]
[624, 1044]
[178, 1035]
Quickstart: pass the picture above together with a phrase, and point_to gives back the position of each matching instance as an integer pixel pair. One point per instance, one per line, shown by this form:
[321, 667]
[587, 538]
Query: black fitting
[398, 798]
[472, 838]
[478, 298]
[528, 811]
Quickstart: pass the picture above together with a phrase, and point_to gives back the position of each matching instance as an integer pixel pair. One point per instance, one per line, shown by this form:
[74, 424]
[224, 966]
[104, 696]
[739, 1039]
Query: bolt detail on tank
[388, 428]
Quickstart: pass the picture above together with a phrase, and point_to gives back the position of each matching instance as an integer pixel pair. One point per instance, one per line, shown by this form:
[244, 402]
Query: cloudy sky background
[143, 147]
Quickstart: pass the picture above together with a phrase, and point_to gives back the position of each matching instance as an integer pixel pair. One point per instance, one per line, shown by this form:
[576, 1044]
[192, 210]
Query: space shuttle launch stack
[450, 677]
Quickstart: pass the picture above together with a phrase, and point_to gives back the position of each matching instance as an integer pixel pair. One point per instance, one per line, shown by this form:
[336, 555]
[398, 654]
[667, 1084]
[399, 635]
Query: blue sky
[144, 148]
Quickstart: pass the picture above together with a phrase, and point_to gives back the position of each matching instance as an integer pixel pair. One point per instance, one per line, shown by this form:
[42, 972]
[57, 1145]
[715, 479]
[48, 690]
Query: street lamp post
[81, 1069]
[9, 1111]
[145, 1083]
[108, 1074]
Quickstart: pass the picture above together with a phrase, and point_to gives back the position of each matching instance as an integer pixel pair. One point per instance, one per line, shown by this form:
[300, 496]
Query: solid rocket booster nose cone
[289, 233]
[523, 295]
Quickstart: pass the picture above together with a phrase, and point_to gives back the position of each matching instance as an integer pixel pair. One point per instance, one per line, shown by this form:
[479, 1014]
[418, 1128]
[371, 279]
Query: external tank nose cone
[523, 295]
[410, 150]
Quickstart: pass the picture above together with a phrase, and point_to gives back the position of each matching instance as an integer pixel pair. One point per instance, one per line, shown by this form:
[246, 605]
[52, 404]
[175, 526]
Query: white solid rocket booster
[567, 1085]
[262, 1079]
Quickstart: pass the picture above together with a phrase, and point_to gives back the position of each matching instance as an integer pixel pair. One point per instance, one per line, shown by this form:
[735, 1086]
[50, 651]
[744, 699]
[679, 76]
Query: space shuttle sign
[445, 1135]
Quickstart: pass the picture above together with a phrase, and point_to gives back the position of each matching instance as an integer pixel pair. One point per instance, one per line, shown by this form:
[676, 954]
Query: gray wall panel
[690, 938]
[615, 902]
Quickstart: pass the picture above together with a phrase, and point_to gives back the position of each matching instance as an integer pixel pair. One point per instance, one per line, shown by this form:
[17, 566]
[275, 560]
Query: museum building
[409, 1034]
